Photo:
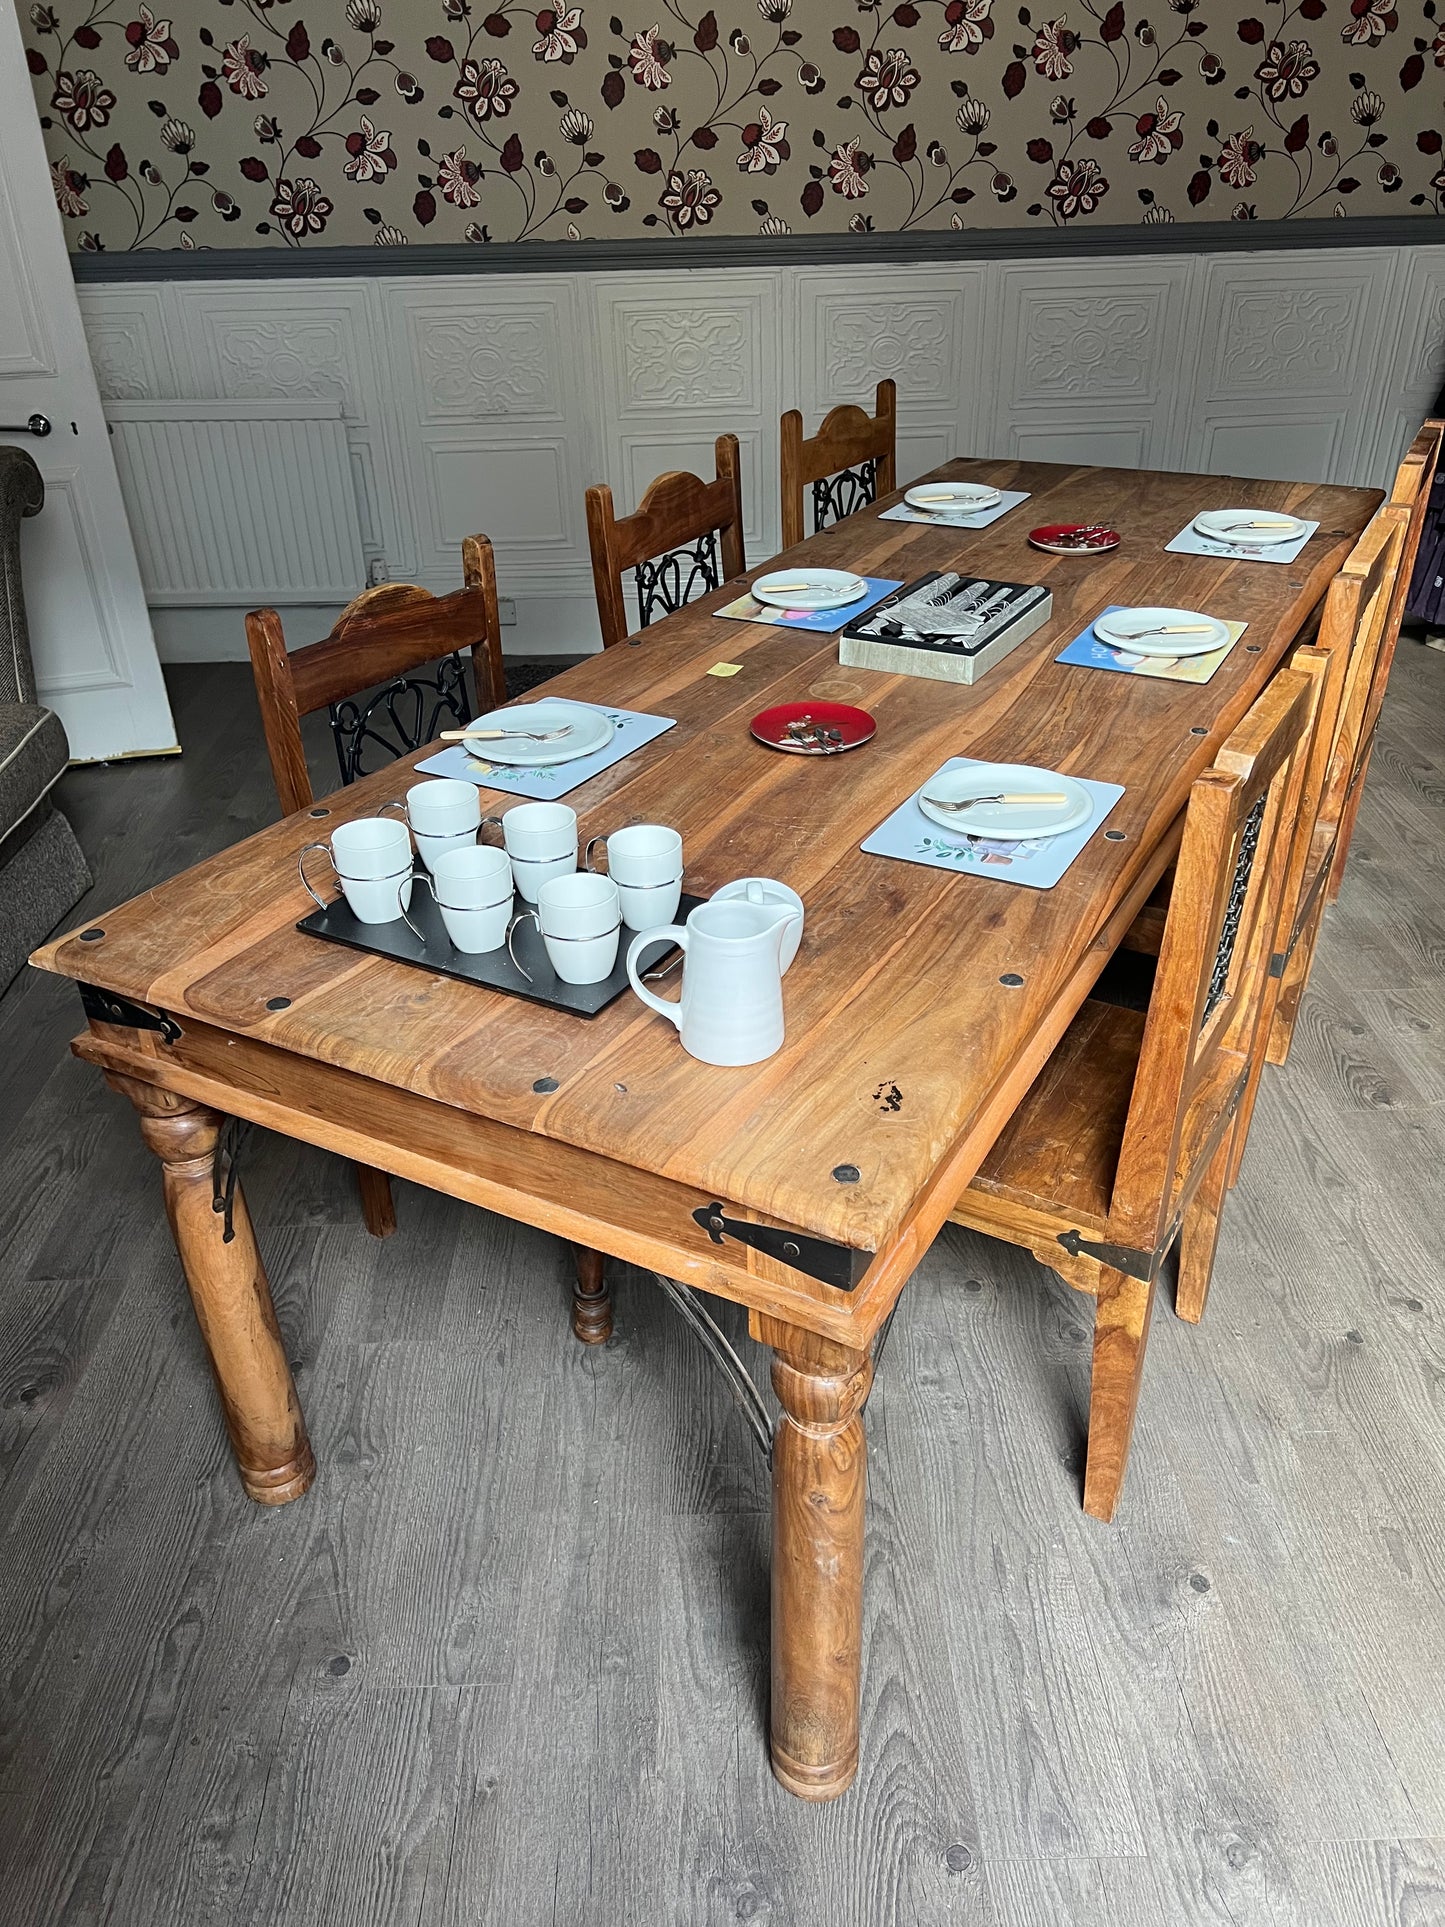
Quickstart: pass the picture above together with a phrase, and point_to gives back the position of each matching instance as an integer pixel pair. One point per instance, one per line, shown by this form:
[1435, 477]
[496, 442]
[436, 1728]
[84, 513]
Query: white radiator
[239, 503]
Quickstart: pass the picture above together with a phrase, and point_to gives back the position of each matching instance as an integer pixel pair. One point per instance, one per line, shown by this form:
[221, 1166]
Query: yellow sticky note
[725, 669]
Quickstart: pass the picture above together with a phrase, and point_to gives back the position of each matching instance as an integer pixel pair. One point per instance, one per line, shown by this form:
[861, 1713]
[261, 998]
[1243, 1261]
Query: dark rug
[523, 677]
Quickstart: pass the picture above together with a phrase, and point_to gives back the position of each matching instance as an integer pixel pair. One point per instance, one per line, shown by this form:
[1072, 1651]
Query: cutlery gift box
[999, 615]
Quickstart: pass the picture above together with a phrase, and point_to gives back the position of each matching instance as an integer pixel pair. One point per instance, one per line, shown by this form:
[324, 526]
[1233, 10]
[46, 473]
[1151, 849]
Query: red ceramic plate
[1075, 538]
[814, 728]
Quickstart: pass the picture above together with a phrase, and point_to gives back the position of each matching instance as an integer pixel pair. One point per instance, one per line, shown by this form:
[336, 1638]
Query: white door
[95, 656]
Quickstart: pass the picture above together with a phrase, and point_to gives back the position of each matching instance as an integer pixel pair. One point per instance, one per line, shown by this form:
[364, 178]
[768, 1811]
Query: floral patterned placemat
[1039, 862]
[905, 512]
[1091, 652]
[633, 729]
[822, 621]
[1190, 542]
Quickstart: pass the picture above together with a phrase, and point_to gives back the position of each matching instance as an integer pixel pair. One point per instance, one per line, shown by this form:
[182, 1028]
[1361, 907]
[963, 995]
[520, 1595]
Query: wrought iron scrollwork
[671, 581]
[835, 497]
[400, 717]
[705, 1328]
[1234, 909]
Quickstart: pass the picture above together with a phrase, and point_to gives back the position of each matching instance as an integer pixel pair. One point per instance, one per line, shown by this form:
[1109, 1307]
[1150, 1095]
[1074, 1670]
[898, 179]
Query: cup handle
[587, 853]
[522, 916]
[481, 839]
[325, 848]
[394, 804]
[419, 876]
[672, 1012]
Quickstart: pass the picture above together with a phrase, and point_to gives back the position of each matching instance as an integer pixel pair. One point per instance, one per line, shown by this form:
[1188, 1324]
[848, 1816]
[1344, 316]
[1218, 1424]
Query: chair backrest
[1375, 563]
[1204, 1011]
[671, 543]
[386, 632]
[850, 462]
[1411, 492]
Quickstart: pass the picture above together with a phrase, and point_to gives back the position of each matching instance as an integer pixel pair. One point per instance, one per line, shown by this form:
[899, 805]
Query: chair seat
[1059, 1153]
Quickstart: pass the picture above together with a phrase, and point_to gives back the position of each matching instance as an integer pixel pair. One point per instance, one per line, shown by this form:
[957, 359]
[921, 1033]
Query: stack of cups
[372, 860]
[645, 862]
[443, 815]
[473, 891]
[579, 918]
[541, 840]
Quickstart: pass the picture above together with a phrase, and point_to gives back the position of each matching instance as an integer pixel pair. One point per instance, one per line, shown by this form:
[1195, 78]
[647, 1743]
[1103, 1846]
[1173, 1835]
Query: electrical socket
[378, 571]
[506, 611]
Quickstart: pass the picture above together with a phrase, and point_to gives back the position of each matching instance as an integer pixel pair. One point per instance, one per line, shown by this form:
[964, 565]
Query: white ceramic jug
[731, 1008]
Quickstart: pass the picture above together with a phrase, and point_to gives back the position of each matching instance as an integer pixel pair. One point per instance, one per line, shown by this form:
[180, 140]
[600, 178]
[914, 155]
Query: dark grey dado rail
[760, 251]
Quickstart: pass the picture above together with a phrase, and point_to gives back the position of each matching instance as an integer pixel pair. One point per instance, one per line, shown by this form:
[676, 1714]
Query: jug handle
[678, 935]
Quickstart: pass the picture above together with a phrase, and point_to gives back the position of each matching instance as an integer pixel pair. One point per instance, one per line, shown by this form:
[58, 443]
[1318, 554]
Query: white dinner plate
[588, 731]
[1222, 525]
[953, 498]
[1127, 629]
[827, 589]
[1007, 822]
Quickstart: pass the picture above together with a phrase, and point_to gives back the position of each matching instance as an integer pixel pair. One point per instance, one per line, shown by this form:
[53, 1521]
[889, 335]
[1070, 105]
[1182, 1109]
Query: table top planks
[897, 983]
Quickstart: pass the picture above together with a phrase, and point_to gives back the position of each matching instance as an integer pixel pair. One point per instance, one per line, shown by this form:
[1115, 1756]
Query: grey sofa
[42, 870]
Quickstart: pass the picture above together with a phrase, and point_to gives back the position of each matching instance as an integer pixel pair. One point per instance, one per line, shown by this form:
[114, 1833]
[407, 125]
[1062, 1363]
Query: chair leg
[1347, 829]
[377, 1209]
[1121, 1331]
[591, 1298]
[1199, 1233]
[1296, 982]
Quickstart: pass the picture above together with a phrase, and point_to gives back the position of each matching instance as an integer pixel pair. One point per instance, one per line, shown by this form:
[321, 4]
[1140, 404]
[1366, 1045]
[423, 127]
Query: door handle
[38, 425]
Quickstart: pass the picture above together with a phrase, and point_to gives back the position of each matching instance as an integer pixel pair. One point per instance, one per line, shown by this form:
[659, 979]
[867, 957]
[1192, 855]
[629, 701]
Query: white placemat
[633, 729]
[1190, 542]
[912, 837]
[905, 512]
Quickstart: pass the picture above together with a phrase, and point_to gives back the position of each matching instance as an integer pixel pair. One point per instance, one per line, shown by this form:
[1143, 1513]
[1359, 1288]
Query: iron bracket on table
[837, 1265]
[226, 1172]
[105, 1007]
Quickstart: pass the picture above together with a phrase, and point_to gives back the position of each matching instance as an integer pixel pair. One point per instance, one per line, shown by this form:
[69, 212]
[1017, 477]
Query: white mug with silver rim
[372, 860]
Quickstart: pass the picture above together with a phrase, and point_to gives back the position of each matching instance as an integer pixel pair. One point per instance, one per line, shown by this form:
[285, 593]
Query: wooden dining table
[919, 1009]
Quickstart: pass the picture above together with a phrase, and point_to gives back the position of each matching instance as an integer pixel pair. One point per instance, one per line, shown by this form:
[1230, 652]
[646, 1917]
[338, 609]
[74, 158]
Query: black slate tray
[494, 968]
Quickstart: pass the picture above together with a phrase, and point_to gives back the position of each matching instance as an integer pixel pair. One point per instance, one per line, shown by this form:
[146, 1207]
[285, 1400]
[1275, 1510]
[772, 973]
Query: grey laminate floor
[506, 1662]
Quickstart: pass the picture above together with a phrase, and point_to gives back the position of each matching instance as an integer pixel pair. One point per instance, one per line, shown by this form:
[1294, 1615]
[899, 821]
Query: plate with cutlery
[953, 498]
[1161, 632]
[809, 589]
[536, 735]
[1005, 800]
[1244, 528]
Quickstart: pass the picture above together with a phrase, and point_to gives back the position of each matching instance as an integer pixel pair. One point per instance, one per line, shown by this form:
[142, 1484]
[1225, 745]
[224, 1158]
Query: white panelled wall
[489, 402]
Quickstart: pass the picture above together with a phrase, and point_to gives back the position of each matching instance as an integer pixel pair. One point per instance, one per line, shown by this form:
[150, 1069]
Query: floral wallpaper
[318, 123]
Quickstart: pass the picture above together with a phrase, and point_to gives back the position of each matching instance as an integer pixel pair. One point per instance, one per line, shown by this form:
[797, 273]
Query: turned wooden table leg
[819, 1484]
[231, 1297]
[591, 1297]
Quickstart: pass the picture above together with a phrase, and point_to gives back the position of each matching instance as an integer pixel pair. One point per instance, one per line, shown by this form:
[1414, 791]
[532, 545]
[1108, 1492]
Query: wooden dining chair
[1411, 492]
[1118, 1151]
[849, 463]
[1353, 630]
[376, 643]
[684, 540]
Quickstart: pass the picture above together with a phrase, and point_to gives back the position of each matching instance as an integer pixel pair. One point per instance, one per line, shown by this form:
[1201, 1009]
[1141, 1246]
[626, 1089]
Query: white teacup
[473, 892]
[541, 839]
[443, 807]
[769, 891]
[580, 919]
[372, 860]
[645, 862]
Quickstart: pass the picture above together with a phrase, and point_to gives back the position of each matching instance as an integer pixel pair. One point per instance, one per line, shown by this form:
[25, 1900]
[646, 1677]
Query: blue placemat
[1089, 652]
[633, 729]
[822, 621]
[1038, 863]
